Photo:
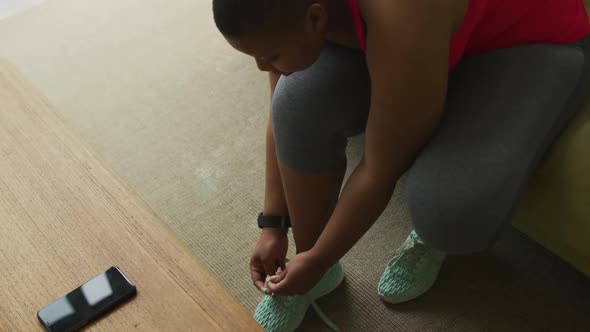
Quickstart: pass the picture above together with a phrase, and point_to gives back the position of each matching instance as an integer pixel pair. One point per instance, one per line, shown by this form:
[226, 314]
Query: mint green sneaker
[277, 313]
[411, 272]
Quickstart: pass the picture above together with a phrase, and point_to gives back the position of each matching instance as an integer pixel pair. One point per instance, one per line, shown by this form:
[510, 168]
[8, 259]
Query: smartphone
[88, 302]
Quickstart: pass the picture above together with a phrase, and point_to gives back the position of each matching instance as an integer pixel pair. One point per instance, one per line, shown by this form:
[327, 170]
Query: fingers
[258, 277]
[280, 276]
[260, 285]
[278, 284]
[277, 288]
[259, 271]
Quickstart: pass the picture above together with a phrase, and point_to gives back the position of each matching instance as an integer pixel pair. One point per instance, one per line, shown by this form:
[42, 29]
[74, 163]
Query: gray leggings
[503, 110]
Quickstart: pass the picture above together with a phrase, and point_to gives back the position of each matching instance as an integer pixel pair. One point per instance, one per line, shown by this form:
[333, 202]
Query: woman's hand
[299, 277]
[269, 254]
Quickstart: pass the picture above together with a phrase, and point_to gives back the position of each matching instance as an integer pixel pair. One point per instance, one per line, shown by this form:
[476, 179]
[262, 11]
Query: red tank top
[495, 24]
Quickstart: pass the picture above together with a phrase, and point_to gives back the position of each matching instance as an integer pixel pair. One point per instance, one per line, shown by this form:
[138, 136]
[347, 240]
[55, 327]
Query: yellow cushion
[555, 210]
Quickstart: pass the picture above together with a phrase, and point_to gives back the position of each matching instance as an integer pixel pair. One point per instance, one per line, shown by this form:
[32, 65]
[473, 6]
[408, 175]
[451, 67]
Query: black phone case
[85, 313]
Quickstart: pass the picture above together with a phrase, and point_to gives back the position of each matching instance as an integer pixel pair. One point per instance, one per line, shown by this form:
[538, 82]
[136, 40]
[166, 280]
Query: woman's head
[283, 36]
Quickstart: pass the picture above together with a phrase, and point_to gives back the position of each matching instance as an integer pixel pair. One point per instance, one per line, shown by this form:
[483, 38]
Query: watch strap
[273, 221]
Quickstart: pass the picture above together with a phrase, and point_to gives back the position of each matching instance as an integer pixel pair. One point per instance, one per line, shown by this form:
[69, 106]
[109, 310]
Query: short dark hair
[239, 17]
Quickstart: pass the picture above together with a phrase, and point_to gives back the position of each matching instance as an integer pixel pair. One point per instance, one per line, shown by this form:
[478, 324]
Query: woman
[465, 96]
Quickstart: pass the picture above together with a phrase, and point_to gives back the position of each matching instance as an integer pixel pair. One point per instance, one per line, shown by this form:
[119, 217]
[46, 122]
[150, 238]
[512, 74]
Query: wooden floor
[66, 217]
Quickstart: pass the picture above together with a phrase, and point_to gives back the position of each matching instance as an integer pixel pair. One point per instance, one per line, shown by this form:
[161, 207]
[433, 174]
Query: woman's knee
[314, 111]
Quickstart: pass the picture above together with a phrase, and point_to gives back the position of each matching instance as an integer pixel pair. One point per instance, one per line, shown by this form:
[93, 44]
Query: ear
[316, 18]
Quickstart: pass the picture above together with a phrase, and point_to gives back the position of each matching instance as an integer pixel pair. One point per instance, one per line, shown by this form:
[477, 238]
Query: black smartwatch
[273, 221]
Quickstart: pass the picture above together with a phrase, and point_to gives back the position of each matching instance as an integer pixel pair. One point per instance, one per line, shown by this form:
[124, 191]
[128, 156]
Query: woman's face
[287, 50]
[282, 53]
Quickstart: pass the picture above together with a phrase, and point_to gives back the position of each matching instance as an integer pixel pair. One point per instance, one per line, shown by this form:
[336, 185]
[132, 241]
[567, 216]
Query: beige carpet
[181, 117]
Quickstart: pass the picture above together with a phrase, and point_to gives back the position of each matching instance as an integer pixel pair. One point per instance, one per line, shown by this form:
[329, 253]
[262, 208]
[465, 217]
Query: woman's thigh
[504, 110]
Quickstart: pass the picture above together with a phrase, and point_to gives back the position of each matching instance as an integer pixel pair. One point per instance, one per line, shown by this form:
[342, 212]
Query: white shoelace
[314, 305]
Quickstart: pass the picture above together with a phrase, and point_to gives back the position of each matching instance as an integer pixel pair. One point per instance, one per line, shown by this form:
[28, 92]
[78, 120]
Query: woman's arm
[407, 55]
[274, 197]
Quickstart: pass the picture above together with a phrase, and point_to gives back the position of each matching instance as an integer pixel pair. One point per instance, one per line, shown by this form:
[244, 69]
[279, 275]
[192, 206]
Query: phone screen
[87, 302]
